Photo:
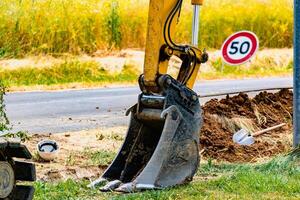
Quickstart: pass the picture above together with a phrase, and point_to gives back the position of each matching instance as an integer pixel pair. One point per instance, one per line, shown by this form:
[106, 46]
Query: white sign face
[239, 48]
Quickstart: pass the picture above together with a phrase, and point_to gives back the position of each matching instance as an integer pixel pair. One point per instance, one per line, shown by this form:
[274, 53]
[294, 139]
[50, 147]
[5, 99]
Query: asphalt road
[74, 110]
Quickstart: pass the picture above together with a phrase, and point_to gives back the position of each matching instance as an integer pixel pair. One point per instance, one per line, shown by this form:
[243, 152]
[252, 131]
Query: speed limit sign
[239, 47]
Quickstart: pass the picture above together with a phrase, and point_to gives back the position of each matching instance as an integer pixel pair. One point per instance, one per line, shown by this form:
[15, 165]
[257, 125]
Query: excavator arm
[162, 20]
[161, 148]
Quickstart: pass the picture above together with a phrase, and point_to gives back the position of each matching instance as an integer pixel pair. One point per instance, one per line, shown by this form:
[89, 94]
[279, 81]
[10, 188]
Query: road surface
[75, 110]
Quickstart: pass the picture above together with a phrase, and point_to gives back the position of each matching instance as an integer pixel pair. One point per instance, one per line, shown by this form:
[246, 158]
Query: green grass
[90, 157]
[260, 68]
[100, 158]
[83, 26]
[89, 73]
[276, 179]
[67, 72]
[64, 190]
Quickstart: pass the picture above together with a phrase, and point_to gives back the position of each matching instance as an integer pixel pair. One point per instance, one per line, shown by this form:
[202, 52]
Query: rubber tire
[12, 182]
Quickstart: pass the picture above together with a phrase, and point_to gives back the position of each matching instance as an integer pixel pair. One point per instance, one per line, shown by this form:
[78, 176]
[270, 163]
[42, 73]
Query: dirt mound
[225, 117]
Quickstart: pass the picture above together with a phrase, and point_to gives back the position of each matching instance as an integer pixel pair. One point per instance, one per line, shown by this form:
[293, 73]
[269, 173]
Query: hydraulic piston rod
[196, 21]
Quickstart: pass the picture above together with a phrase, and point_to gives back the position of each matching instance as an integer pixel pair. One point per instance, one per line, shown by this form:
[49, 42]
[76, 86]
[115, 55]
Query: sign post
[296, 73]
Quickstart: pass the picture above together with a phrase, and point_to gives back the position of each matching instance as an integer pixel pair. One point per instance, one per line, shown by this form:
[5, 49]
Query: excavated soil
[222, 118]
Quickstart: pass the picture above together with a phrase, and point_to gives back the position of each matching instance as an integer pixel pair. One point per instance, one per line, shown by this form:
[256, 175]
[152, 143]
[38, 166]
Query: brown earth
[223, 118]
[74, 159]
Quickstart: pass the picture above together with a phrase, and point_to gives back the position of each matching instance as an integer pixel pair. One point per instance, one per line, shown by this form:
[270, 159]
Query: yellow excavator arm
[161, 148]
[162, 20]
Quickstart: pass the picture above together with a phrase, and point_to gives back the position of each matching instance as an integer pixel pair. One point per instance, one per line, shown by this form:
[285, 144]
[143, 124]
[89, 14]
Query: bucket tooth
[111, 186]
[100, 181]
[126, 188]
[161, 146]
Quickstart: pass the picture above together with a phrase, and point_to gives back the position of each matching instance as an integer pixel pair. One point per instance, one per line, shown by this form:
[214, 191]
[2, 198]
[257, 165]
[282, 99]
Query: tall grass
[83, 26]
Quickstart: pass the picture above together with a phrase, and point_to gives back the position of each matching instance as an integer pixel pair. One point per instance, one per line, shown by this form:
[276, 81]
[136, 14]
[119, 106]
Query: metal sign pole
[296, 73]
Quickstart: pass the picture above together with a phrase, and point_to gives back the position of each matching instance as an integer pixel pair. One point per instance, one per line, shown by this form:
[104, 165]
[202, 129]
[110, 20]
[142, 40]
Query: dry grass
[83, 26]
[236, 123]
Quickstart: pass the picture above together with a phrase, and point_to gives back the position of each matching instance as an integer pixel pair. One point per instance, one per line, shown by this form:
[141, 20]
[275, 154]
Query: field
[57, 27]
[124, 67]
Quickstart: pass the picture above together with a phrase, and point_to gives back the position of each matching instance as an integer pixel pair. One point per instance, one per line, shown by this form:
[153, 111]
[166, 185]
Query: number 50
[243, 48]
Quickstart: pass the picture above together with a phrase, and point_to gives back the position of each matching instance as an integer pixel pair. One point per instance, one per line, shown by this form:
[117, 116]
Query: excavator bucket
[161, 146]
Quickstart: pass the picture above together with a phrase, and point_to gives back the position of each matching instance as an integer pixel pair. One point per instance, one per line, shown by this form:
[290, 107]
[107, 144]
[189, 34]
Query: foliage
[113, 26]
[23, 136]
[4, 122]
[83, 26]
[68, 72]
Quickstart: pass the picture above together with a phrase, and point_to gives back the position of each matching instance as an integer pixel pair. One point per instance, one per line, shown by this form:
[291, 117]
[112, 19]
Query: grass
[112, 136]
[73, 72]
[90, 157]
[64, 190]
[67, 72]
[83, 26]
[276, 179]
[261, 68]
[100, 158]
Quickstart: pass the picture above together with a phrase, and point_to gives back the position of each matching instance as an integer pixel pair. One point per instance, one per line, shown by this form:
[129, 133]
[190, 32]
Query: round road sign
[239, 47]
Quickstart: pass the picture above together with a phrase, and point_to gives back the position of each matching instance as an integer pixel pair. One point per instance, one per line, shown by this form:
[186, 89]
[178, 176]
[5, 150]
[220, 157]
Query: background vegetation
[4, 123]
[71, 71]
[83, 26]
